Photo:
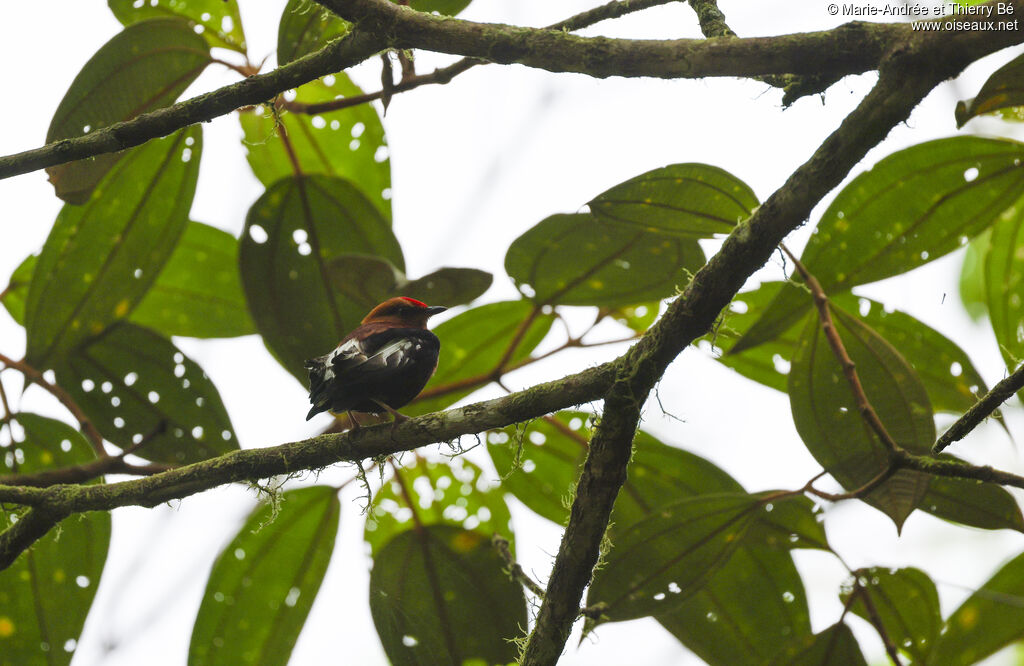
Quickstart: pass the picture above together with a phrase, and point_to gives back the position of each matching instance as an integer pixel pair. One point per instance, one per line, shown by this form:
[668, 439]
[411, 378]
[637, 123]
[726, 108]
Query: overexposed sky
[474, 164]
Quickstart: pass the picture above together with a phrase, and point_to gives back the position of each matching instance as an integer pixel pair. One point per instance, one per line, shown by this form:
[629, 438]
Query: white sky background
[474, 164]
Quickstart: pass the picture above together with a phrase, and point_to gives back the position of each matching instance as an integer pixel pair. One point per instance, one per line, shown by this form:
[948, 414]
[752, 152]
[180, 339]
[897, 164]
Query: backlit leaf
[264, 582]
[985, 505]
[100, 259]
[16, 291]
[144, 67]
[371, 280]
[438, 595]
[827, 417]
[216, 20]
[1004, 286]
[135, 386]
[972, 277]
[693, 200]
[835, 645]
[306, 27]
[583, 260]
[46, 594]
[290, 235]
[1003, 89]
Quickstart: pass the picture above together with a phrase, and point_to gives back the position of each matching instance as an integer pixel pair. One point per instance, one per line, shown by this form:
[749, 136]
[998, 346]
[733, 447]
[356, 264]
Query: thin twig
[876, 620]
[982, 409]
[515, 571]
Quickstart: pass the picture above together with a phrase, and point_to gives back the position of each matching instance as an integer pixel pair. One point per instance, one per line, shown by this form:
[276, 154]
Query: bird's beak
[435, 309]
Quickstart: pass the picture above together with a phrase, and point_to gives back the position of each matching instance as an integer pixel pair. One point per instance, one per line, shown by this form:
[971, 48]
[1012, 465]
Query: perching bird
[380, 366]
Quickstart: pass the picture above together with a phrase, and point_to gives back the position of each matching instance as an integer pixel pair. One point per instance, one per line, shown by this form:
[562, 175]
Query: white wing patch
[352, 355]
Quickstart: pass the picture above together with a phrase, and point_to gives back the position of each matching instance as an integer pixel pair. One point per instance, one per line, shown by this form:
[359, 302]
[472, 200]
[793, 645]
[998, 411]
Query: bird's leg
[399, 416]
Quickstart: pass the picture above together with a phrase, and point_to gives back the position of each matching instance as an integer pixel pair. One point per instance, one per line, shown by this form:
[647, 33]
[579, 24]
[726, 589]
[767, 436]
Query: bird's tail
[318, 386]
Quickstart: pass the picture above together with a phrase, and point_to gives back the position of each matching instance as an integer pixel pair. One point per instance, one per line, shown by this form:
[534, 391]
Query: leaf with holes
[971, 287]
[371, 280]
[692, 200]
[348, 143]
[835, 645]
[987, 506]
[143, 68]
[199, 291]
[989, 620]
[46, 594]
[1004, 287]
[1003, 89]
[664, 558]
[264, 582]
[306, 27]
[13, 296]
[472, 345]
[290, 235]
[905, 603]
[439, 595]
[583, 260]
[100, 259]
[218, 21]
[455, 493]
[914, 206]
[829, 422]
[746, 612]
[139, 389]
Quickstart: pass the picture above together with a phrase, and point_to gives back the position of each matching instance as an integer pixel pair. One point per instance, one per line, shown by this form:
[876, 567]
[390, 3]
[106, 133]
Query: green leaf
[835, 645]
[443, 7]
[1003, 89]
[1004, 286]
[216, 20]
[746, 612]
[264, 582]
[692, 200]
[583, 260]
[473, 343]
[988, 506]
[455, 493]
[905, 602]
[16, 291]
[306, 27]
[371, 280]
[827, 417]
[348, 143]
[660, 560]
[46, 594]
[136, 386]
[914, 206]
[989, 620]
[291, 233]
[439, 595]
[199, 291]
[639, 318]
[972, 276]
[144, 67]
[100, 259]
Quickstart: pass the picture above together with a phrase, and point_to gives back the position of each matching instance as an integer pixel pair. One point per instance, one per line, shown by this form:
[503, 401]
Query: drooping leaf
[199, 291]
[660, 560]
[100, 259]
[746, 612]
[904, 601]
[580, 259]
[348, 143]
[972, 277]
[16, 291]
[46, 594]
[264, 582]
[438, 595]
[371, 280]
[835, 645]
[306, 27]
[455, 493]
[473, 343]
[827, 417]
[692, 200]
[136, 386]
[1003, 89]
[291, 233]
[914, 206]
[218, 21]
[989, 620]
[1004, 286]
[144, 67]
[985, 505]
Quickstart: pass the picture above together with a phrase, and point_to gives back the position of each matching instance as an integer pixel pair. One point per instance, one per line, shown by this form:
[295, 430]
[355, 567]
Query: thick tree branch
[982, 409]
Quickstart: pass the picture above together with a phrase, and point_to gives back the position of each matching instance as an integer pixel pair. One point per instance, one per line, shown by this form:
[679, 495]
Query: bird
[381, 365]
